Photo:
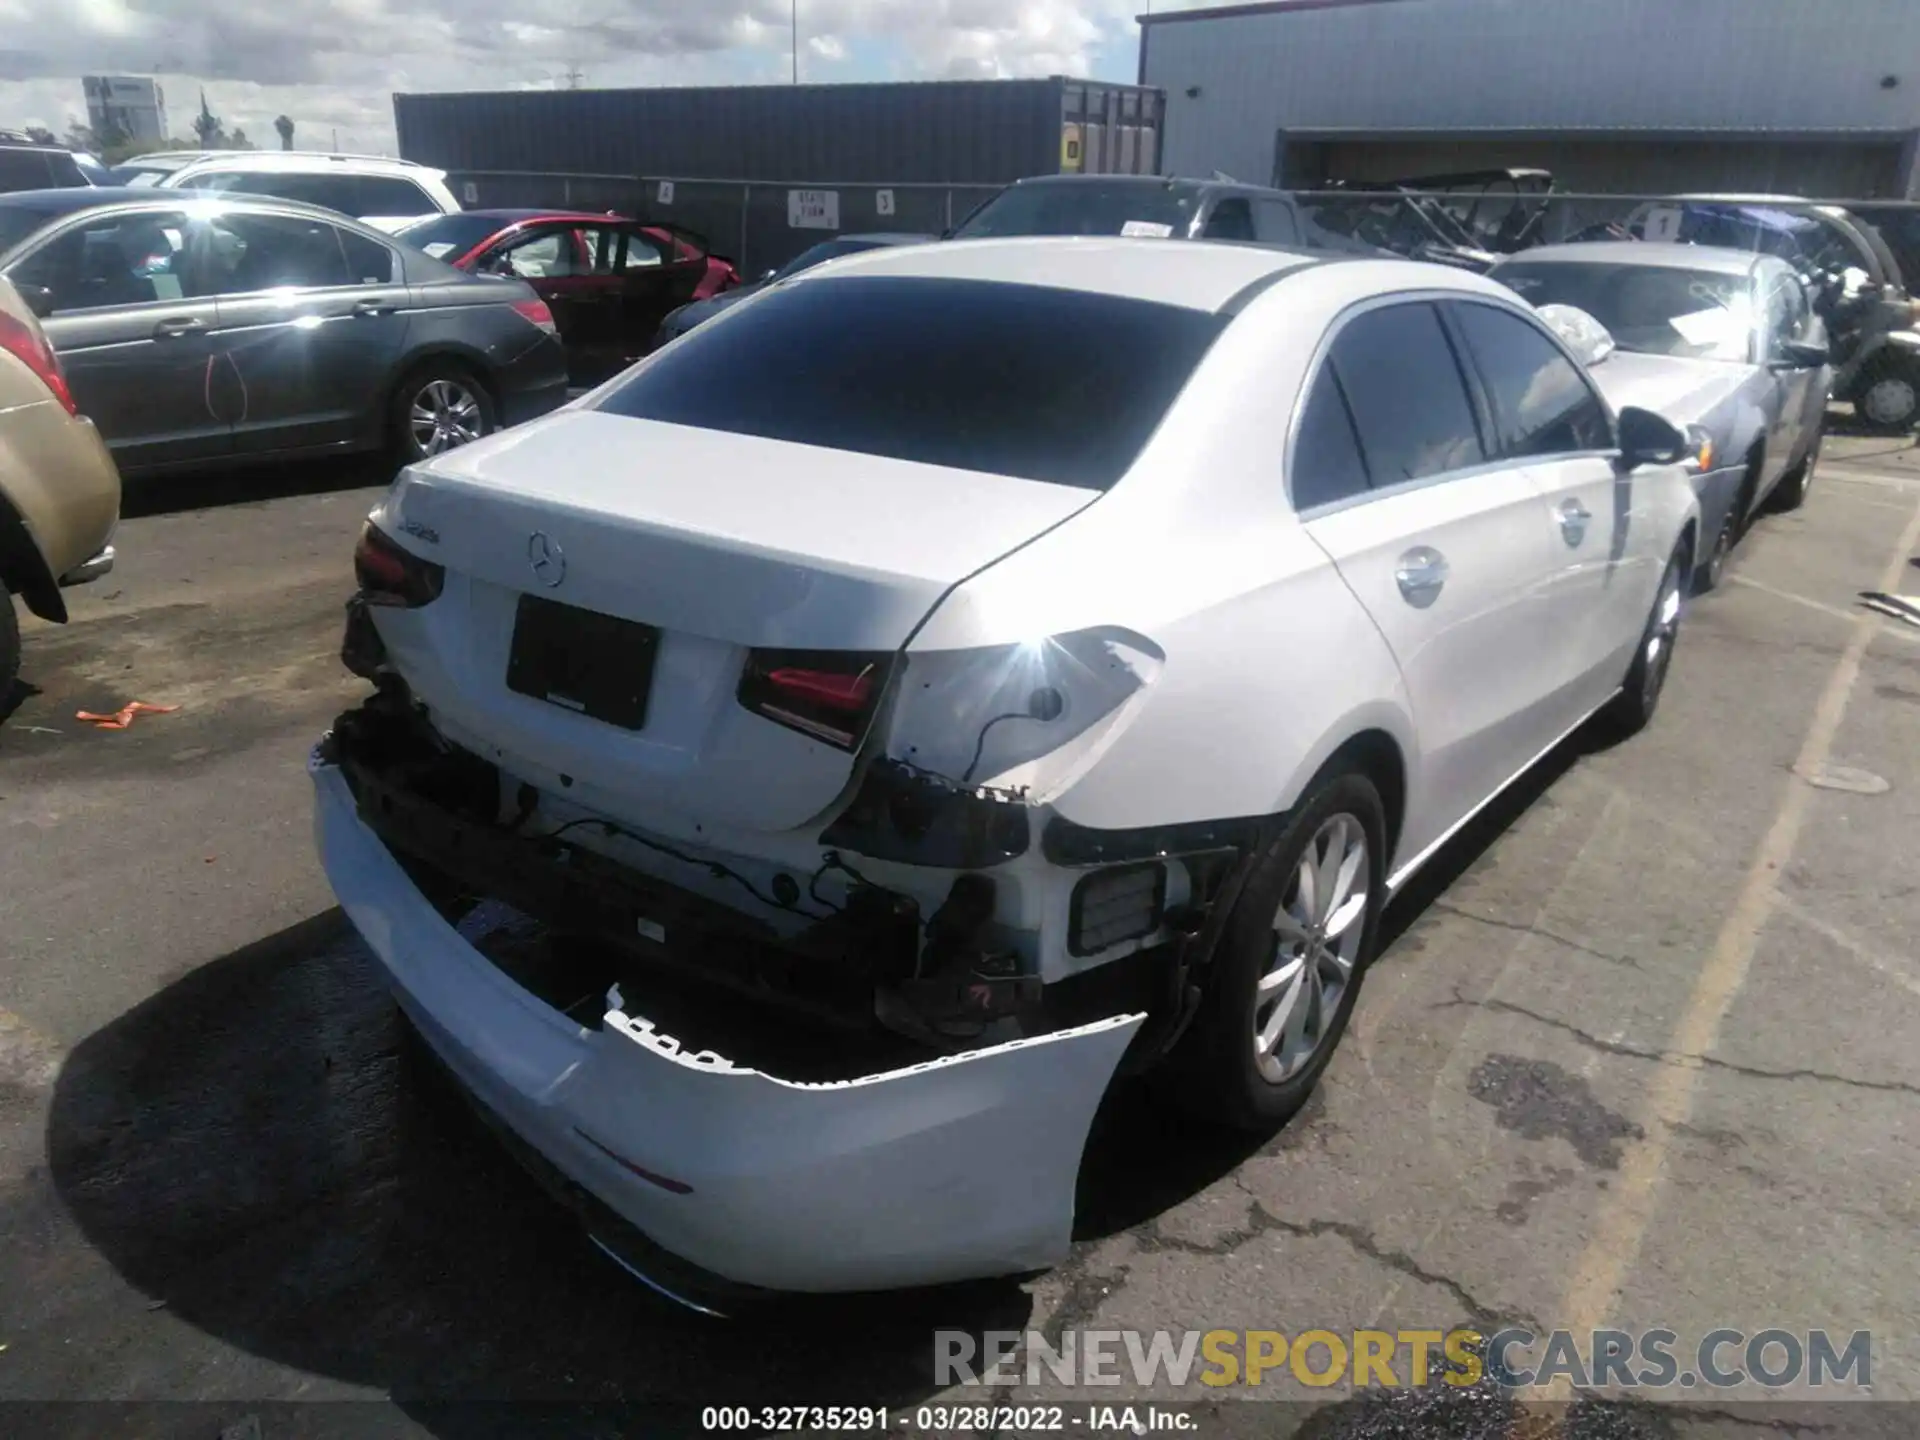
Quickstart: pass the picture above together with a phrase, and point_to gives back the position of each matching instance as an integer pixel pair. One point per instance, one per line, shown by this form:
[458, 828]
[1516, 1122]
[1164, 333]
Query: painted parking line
[1621, 1226]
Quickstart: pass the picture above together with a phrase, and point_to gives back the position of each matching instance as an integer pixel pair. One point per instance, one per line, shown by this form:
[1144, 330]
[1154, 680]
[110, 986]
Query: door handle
[1573, 521]
[1421, 575]
[375, 307]
[176, 329]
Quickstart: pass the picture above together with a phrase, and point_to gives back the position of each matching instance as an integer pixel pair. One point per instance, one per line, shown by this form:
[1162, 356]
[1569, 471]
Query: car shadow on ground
[260, 1148]
[249, 484]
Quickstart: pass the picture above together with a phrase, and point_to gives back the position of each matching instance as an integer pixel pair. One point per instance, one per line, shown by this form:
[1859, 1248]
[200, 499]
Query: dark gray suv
[196, 329]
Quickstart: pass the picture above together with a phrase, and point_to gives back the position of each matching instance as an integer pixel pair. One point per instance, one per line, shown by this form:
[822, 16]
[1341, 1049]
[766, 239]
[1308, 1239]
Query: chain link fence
[754, 223]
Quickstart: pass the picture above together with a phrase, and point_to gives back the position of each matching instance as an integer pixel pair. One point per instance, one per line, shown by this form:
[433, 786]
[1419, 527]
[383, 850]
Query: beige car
[59, 490]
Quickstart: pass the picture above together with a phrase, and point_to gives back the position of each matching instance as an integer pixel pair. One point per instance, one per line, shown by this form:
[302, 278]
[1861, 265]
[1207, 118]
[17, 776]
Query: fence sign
[665, 193]
[1663, 222]
[813, 209]
[469, 194]
[883, 202]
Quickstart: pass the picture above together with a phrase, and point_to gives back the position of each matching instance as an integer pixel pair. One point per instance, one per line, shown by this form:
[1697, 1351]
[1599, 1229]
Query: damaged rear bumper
[957, 1168]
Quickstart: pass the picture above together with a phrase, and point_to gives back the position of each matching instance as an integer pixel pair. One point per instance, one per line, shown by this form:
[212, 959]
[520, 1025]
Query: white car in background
[373, 189]
[886, 707]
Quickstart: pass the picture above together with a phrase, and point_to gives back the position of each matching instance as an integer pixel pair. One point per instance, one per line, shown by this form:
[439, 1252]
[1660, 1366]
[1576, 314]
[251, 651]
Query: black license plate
[593, 664]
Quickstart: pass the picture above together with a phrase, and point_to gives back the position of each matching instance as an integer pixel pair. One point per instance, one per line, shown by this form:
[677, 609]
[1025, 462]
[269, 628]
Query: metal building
[968, 132]
[1813, 97]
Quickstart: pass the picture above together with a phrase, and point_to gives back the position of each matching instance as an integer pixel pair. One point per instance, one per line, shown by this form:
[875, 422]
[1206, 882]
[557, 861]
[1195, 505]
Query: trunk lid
[725, 543]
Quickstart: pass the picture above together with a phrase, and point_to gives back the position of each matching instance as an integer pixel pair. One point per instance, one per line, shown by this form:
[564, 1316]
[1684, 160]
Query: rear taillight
[27, 345]
[389, 575]
[828, 694]
[536, 312]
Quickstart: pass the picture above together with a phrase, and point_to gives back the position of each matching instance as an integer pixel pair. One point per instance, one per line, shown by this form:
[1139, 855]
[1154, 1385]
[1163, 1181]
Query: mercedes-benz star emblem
[549, 561]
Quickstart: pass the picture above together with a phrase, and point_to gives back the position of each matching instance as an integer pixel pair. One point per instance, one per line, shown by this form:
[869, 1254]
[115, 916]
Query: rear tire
[1887, 399]
[1290, 961]
[1629, 712]
[438, 407]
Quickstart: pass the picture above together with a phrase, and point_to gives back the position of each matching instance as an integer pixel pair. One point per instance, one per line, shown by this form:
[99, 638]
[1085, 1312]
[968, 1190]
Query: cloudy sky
[332, 64]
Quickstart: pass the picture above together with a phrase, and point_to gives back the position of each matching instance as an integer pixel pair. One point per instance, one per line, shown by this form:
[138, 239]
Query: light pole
[794, 45]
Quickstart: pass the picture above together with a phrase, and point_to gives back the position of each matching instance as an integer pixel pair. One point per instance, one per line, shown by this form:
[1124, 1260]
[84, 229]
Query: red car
[609, 280]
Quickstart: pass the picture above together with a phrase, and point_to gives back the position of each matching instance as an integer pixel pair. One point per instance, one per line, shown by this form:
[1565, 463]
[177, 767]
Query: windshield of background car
[447, 237]
[1084, 207]
[1694, 314]
[1023, 380]
[819, 255]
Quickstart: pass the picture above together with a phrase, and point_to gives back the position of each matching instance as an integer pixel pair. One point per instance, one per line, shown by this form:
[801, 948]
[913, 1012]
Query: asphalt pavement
[1644, 1052]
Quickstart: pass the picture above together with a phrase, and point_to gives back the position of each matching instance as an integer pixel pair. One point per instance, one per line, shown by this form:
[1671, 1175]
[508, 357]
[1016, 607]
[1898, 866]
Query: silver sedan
[1720, 341]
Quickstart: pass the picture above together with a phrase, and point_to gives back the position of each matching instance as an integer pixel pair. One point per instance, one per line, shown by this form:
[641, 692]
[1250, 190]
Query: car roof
[304, 160]
[78, 198]
[1194, 275]
[1650, 254]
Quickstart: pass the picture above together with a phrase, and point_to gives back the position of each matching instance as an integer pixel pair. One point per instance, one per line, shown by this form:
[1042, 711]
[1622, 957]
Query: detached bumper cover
[954, 1169]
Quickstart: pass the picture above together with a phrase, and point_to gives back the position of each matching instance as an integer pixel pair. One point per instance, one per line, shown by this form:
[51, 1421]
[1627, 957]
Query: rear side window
[1408, 398]
[1232, 219]
[1541, 403]
[368, 261]
[388, 195]
[1326, 456]
[28, 170]
[1043, 384]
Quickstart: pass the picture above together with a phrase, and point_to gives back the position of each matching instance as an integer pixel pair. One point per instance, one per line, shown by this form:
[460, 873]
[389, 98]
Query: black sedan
[690, 315]
[196, 330]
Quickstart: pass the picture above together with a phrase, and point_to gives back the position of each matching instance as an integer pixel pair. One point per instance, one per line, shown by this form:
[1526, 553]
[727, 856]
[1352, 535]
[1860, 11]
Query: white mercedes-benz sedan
[803, 771]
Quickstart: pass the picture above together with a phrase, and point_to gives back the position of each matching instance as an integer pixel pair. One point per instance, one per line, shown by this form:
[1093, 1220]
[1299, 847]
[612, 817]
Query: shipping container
[959, 132]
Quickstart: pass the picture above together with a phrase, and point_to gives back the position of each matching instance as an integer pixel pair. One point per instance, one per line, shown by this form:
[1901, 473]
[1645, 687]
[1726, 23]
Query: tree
[79, 137]
[239, 141]
[206, 125]
[285, 126]
[40, 135]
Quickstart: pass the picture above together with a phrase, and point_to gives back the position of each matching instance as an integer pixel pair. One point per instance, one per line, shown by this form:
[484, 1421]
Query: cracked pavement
[222, 1177]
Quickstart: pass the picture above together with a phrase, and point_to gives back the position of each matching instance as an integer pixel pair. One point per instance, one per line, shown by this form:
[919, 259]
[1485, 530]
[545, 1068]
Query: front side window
[1063, 386]
[643, 252]
[1655, 309]
[1232, 219]
[1409, 400]
[116, 260]
[1542, 405]
[1273, 223]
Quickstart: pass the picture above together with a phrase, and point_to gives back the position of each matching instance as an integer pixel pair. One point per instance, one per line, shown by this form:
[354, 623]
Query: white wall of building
[133, 105]
[1804, 68]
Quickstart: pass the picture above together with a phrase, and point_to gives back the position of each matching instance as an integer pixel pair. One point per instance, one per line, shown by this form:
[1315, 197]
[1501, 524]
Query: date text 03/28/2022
[936, 1419]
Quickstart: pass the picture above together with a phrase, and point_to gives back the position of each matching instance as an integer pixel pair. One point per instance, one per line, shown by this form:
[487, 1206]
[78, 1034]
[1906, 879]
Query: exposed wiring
[713, 867]
[980, 744]
[830, 862]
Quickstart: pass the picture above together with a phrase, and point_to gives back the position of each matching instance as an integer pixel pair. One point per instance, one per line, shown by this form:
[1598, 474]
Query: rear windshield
[1085, 207]
[448, 237]
[1037, 383]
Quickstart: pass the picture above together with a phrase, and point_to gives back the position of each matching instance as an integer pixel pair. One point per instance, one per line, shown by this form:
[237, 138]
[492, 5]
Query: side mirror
[1650, 439]
[38, 298]
[1800, 355]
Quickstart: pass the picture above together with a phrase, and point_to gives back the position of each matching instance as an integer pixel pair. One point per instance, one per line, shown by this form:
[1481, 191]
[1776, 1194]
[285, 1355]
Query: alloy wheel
[445, 415]
[1661, 634]
[1317, 933]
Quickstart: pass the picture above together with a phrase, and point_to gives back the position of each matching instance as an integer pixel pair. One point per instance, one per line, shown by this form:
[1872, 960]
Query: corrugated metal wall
[949, 132]
[1539, 65]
